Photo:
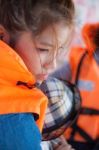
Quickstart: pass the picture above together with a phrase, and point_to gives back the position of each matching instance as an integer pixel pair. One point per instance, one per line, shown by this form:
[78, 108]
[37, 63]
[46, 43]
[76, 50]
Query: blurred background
[87, 11]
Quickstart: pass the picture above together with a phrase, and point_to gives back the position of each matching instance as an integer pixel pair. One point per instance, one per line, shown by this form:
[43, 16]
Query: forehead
[58, 33]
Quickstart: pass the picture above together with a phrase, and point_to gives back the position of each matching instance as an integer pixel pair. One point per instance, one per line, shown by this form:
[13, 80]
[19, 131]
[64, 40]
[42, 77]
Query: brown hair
[35, 15]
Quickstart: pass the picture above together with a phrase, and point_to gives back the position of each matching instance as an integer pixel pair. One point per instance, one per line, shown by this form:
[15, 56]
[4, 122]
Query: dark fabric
[82, 145]
[96, 146]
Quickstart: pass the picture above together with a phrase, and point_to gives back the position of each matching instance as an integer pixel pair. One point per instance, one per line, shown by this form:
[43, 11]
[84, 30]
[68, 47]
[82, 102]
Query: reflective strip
[86, 85]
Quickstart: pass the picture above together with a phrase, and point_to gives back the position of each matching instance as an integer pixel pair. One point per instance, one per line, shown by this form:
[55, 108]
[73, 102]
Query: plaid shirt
[60, 107]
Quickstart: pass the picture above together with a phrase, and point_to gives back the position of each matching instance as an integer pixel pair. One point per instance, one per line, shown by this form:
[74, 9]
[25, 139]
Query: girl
[31, 32]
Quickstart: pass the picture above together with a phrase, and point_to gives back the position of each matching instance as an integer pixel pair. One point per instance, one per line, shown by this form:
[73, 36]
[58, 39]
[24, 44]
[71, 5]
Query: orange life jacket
[85, 73]
[17, 91]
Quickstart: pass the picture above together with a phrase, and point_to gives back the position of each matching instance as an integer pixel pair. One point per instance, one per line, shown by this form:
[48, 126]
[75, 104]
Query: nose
[50, 65]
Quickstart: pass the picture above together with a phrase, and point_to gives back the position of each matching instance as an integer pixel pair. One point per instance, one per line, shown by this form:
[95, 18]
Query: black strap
[79, 67]
[76, 128]
[29, 86]
[89, 111]
[81, 132]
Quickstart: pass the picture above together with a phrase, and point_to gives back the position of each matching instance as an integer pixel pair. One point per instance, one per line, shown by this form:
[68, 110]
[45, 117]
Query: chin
[41, 78]
[39, 81]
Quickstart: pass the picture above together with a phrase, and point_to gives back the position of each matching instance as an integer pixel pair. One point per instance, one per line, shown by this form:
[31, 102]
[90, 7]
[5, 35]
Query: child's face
[39, 54]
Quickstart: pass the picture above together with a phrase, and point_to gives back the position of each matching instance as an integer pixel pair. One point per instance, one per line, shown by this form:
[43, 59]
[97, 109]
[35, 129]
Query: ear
[4, 35]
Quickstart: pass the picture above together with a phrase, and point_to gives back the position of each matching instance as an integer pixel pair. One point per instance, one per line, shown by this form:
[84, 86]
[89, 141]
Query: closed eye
[43, 50]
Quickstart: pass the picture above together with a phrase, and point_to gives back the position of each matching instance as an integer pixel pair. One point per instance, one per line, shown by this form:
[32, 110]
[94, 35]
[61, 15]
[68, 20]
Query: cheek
[44, 58]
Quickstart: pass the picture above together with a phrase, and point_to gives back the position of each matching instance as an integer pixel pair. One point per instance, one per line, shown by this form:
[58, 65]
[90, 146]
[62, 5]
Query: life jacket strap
[89, 111]
[76, 129]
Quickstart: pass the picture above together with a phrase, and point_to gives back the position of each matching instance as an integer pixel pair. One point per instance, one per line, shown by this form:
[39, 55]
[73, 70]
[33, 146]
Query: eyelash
[43, 50]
